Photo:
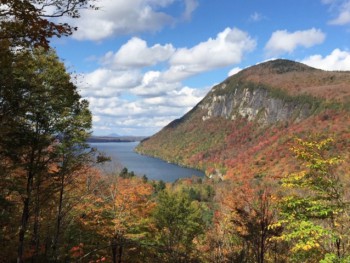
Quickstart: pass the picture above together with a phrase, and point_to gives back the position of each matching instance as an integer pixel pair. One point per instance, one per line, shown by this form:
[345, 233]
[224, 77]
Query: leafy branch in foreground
[313, 212]
[31, 22]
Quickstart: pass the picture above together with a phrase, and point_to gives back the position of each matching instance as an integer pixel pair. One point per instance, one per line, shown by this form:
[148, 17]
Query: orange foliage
[132, 203]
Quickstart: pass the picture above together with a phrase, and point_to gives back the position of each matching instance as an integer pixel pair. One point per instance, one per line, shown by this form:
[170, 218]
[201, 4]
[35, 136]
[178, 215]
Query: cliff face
[254, 105]
[245, 124]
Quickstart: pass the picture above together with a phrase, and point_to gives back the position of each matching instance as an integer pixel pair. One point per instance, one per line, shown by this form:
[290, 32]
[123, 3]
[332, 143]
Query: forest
[57, 206]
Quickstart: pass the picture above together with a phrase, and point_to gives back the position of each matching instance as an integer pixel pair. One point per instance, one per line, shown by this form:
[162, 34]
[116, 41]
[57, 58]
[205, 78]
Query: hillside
[246, 123]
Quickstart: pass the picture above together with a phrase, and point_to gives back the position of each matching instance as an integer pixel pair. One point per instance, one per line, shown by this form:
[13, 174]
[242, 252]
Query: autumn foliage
[273, 193]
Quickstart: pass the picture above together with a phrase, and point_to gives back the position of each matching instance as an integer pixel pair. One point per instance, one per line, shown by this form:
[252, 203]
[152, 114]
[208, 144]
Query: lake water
[122, 153]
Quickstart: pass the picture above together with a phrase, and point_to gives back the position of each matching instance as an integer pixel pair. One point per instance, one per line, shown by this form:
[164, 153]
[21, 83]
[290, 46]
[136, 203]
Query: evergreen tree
[178, 222]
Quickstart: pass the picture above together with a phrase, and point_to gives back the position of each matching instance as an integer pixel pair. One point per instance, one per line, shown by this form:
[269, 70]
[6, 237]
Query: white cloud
[127, 17]
[233, 71]
[256, 17]
[126, 100]
[342, 19]
[144, 116]
[151, 104]
[190, 6]
[227, 48]
[337, 60]
[153, 85]
[105, 82]
[282, 41]
[132, 126]
[96, 118]
[135, 53]
[185, 97]
[342, 10]
[142, 108]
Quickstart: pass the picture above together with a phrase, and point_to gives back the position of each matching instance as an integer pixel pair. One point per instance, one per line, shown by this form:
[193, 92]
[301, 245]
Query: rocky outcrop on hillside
[254, 105]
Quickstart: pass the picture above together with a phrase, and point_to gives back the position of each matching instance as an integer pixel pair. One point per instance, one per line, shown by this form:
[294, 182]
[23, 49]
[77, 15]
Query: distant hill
[116, 138]
[113, 135]
[246, 124]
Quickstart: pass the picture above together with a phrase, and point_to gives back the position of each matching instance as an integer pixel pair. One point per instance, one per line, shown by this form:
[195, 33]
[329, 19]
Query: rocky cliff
[254, 104]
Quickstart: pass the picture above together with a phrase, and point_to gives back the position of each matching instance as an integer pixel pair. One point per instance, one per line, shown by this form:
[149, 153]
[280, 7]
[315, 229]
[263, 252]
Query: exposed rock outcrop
[257, 104]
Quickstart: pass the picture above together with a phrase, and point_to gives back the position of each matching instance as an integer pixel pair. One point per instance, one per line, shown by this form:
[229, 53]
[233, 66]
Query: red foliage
[77, 251]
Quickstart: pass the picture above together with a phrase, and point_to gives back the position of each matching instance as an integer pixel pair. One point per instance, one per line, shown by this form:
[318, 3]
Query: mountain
[247, 123]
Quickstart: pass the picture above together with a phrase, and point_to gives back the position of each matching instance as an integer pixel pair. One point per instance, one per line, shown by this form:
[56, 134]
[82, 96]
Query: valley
[249, 107]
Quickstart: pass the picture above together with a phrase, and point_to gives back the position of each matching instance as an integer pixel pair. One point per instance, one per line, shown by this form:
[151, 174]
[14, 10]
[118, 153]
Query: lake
[123, 153]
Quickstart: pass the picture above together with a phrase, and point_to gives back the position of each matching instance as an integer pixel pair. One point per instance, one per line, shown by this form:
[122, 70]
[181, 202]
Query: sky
[143, 63]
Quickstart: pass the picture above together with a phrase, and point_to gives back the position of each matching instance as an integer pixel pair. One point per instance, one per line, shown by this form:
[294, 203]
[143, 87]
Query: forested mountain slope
[246, 123]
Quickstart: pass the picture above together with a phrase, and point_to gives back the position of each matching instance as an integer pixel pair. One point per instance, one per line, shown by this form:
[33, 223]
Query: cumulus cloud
[129, 125]
[135, 54]
[227, 48]
[337, 60]
[282, 41]
[185, 97]
[128, 94]
[104, 82]
[139, 106]
[153, 84]
[144, 116]
[142, 109]
[127, 17]
[173, 104]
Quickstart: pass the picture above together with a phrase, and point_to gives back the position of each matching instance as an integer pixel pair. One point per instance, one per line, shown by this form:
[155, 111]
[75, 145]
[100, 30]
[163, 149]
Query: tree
[71, 154]
[116, 215]
[133, 206]
[314, 209]
[178, 222]
[39, 106]
[159, 186]
[247, 212]
[31, 22]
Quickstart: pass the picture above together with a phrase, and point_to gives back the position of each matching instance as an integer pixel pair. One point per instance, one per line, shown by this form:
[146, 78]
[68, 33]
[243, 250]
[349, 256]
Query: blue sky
[144, 63]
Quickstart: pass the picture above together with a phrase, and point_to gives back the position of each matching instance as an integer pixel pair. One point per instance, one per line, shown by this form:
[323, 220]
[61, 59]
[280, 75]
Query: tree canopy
[179, 221]
[313, 211]
[43, 126]
[34, 22]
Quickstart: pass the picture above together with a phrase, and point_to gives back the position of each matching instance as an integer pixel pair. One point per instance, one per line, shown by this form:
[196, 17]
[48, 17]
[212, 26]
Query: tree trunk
[59, 218]
[35, 238]
[338, 243]
[120, 252]
[117, 248]
[25, 217]
[114, 247]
